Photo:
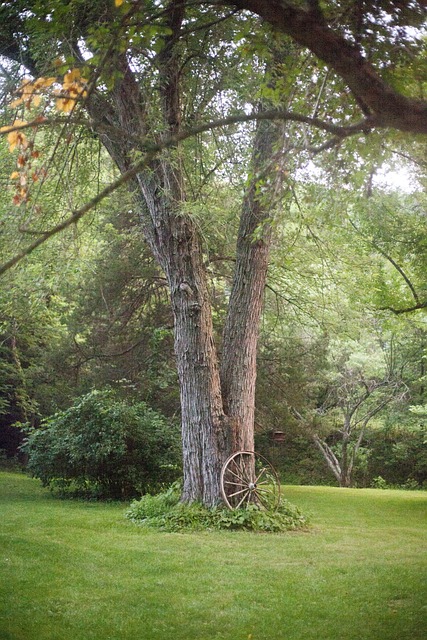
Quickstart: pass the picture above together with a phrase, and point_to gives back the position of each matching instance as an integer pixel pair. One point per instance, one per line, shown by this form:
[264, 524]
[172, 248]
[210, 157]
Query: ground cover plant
[81, 571]
[166, 512]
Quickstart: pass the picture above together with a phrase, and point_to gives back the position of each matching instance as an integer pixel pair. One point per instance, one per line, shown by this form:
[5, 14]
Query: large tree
[150, 67]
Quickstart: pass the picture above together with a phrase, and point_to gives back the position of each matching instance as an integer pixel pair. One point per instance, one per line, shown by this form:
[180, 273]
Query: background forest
[341, 385]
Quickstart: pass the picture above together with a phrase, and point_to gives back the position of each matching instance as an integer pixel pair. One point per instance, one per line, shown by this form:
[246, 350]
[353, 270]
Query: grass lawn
[79, 571]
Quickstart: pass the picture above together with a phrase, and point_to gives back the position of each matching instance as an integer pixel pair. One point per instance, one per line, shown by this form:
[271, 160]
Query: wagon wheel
[248, 478]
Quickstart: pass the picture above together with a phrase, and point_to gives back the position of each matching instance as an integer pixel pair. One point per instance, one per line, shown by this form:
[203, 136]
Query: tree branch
[78, 214]
[151, 150]
[420, 305]
[331, 459]
[399, 269]
[391, 108]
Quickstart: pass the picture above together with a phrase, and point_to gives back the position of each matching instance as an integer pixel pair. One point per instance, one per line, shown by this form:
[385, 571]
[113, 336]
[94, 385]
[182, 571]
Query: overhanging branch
[309, 28]
[151, 150]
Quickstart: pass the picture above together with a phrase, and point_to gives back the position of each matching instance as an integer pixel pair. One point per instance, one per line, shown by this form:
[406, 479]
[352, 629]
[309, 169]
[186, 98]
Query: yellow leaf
[14, 175]
[118, 3]
[16, 103]
[65, 104]
[12, 140]
[71, 76]
[44, 82]
[16, 138]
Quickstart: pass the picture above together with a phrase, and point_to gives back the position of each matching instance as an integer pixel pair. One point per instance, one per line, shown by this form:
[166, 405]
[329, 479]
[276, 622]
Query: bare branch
[420, 305]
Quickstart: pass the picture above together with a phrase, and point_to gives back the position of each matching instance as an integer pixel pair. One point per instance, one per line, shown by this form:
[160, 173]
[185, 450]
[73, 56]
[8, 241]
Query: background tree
[357, 392]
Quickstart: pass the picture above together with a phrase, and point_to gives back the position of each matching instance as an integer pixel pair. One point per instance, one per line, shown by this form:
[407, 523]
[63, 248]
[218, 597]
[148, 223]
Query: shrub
[165, 512]
[104, 448]
[379, 483]
[398, 454]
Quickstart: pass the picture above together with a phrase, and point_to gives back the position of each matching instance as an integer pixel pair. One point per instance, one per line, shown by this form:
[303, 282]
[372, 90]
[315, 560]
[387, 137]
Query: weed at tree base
[164, 511]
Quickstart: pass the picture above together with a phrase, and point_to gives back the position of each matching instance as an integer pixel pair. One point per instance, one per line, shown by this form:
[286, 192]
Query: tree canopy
[269, 119]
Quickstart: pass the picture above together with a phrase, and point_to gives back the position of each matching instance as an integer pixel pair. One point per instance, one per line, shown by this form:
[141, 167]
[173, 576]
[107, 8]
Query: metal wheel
[248, 478]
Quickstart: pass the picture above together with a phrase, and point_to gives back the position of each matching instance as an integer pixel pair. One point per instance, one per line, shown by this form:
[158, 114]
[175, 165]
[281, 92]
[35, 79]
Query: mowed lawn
[79, 571]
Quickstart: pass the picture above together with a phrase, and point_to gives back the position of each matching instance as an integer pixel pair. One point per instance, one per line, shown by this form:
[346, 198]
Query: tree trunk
[204, 433]
[241, 329]
[175, 242]
[216, 418]
[345, 475]
[240, 336]
[330, 457]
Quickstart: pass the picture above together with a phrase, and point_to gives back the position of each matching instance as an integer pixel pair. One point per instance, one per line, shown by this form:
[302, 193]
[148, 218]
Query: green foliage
[398, 455]
[165, 512]
[104, 447]
[380, 483]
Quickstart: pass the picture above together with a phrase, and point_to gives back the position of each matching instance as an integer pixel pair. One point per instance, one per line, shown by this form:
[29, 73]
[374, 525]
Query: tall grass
[80, 571]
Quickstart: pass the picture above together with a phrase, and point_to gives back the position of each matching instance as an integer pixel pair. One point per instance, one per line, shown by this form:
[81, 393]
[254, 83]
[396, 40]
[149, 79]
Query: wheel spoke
[236, 484]
[263, 470]
[265, 505]
[241, 467]
[266, 490]
[242, 500]
[230, 495]
[235, 474]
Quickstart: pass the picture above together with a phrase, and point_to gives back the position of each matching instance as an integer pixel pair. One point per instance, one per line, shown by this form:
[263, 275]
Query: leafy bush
[398, 455]
[379, 483]
[104, 448]
[409, 485]
[165, 512]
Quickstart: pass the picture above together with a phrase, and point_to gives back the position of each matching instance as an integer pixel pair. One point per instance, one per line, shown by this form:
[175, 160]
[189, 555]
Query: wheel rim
[248, 478]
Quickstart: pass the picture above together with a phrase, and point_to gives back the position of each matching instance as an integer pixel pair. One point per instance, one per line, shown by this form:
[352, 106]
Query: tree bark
[204, 432]
[240, 336]
[174, 240]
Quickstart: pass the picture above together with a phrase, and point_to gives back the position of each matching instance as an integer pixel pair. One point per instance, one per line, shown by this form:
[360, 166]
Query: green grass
[79, 571]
